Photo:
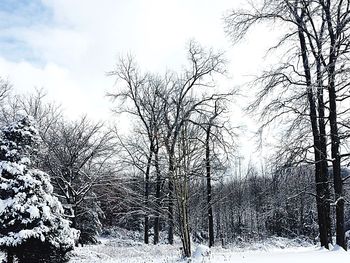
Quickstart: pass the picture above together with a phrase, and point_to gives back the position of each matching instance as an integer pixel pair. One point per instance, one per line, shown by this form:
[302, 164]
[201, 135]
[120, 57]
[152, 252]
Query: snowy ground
[112, 250]
[274, 250]
[109, 252]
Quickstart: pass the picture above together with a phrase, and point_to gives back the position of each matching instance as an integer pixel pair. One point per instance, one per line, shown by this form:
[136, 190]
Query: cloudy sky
[67, 46]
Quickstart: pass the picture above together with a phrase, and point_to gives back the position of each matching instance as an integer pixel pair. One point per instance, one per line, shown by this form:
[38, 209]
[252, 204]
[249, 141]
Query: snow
[46, 212]
[33, 211]
[201, 253]
[28, 202]
[274, 250]
[4, 186]
[12, 168]
[113, 250]
[5, 203]
[110, 251]
[166, 253]
[14, 239]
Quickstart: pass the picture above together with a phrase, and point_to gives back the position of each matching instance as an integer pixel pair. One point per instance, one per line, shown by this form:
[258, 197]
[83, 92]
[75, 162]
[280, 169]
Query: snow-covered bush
[32, 225]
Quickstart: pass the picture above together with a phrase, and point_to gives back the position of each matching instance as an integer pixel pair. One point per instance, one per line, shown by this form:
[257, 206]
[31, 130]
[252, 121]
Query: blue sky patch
[23, 13]
[16, 15]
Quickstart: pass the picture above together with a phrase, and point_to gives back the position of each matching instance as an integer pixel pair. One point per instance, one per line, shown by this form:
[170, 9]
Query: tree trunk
[148, 168]
[324, 177]
[185, 228]
[208, 168]
[338, 184]
[321, 211]
[170, 201]
[335, 142]
[158, 198]
[181, 190]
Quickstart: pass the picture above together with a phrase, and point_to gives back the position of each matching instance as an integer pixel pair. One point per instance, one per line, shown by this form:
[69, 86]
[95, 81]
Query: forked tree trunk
[182, 190]
[158, 198]
[320, 191]
[338, 184]
[208, 175]
[185, 228]
[148, 168]
[170, 200]
[335, 141]
[324, 177]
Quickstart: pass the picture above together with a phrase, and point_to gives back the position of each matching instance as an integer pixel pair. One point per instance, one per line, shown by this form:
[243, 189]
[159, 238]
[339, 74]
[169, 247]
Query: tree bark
[158, 198]
[321, 210]
[208, 175]
[324, 176]
[335, 142]
[181, 190]
[148, 168]
[185, 229]
[338, 184]
[170, 200]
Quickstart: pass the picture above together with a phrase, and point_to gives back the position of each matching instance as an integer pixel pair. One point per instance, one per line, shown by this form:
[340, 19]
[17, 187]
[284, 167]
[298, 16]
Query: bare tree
[77, 156]
[46, 114]
[182, 105]
[141, 94]
[337, 19]
[313, 25]
[5, 89]
[217, 140]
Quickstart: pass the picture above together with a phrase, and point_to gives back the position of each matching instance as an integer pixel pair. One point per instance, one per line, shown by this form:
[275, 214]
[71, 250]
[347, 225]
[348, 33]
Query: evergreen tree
[32, 225]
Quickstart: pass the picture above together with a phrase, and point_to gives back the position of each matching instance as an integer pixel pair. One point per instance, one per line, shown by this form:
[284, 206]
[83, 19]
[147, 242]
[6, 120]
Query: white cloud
[63, 88]
[83, 41]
